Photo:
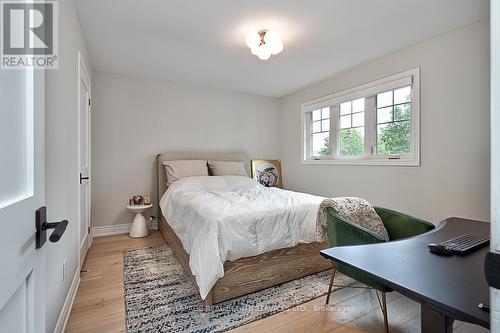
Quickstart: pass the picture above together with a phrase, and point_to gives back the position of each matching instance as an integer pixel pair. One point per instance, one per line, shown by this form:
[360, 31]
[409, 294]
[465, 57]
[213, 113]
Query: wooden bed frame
[250, 274]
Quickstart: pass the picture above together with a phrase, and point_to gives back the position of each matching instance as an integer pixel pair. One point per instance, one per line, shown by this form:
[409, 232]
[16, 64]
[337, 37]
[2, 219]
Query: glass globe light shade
[271, 37]
[253, 40]
[276, 47]
[263, 52]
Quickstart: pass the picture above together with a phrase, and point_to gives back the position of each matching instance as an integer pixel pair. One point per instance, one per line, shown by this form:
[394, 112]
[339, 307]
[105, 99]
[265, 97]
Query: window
[374, 124]
[394, 121]
[352, 128]
[320, 129]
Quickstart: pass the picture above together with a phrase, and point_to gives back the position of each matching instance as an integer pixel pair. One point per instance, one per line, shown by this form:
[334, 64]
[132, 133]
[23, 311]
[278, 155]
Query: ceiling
[203, 42]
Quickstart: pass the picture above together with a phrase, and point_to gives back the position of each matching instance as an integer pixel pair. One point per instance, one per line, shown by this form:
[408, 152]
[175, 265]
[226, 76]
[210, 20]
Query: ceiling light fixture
[264, 43]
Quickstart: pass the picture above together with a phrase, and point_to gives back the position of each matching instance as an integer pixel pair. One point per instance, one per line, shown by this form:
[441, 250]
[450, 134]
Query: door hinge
[89, 101]
[88, 230]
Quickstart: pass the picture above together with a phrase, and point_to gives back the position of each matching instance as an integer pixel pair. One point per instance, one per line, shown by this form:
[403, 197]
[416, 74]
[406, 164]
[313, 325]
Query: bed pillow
[225, 168]
[184, 168]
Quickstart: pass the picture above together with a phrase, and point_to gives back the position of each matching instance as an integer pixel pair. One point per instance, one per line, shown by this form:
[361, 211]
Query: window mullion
[308, 134]
[370, 126]
[334, 124]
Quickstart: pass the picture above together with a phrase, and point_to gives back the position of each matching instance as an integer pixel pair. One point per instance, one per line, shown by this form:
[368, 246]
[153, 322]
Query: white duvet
[221, 218]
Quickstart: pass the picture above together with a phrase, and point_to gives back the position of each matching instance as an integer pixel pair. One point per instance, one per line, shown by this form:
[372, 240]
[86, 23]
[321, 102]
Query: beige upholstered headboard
[162, 177]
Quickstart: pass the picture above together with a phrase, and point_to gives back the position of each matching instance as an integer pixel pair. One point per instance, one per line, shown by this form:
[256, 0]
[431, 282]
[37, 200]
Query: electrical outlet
[65, 270]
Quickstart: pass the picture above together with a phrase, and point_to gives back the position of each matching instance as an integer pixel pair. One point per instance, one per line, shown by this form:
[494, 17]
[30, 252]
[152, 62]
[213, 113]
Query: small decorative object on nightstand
[137, 200]
[147, 199]
[139, 226]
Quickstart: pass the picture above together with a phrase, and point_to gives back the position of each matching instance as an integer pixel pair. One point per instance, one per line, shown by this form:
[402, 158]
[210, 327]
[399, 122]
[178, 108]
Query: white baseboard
[68, 304]
[118, 229]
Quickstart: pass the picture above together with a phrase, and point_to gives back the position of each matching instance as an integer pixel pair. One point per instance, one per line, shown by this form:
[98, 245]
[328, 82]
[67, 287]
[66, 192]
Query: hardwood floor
[99, 303]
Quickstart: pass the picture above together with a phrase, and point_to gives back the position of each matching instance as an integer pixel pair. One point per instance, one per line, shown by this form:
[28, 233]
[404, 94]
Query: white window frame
[409, 77]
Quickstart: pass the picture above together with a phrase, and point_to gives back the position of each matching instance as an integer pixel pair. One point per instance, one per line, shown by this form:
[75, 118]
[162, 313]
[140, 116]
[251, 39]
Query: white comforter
[220, 218]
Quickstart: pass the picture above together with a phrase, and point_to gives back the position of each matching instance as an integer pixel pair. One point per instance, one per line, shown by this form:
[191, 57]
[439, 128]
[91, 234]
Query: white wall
[61, 174]
[133, 119]
[453, 179]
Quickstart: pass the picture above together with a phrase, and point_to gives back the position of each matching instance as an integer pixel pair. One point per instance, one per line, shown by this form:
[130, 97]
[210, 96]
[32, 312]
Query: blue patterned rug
[160, 297]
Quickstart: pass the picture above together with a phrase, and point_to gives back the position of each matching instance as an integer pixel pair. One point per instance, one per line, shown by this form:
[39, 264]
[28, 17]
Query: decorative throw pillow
[355, 210]
[225, 168]
[184, 168]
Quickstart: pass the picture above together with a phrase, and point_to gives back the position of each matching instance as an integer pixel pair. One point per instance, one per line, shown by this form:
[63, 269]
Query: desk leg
[433, 321]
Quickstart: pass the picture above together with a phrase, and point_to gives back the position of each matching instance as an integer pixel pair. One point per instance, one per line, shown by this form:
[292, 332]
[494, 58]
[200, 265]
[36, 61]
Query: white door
[21, 193]
[84, 157]
[495, 152]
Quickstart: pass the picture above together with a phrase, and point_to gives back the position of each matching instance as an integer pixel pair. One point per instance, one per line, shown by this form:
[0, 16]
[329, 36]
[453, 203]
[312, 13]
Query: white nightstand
[139, 226]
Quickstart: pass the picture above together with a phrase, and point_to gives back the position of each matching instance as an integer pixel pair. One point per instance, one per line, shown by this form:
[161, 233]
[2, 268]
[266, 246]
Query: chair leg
[330, 287]
[384, 310]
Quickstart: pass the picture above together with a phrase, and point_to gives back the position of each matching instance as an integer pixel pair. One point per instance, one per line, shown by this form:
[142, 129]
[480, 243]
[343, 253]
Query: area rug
[160, 297]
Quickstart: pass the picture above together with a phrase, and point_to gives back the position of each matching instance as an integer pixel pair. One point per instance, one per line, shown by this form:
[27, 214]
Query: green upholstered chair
[342, 232]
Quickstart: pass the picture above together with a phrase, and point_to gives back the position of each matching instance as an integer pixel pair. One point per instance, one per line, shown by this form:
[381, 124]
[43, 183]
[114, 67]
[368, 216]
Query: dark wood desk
[447, 288]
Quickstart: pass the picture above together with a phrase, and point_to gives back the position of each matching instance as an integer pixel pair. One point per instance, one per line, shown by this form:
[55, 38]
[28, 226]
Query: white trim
[371, 88]
[364, 161]
[62, 320]
[409, 77]
[118, 229]
[91, 236]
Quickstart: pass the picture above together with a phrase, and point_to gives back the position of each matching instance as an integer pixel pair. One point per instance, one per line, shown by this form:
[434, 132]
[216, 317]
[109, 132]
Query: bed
[246, 274]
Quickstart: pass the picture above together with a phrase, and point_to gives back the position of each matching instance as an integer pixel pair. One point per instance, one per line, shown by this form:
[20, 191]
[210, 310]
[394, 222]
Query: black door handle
[83, 178]
[42, 225]
[59, 228]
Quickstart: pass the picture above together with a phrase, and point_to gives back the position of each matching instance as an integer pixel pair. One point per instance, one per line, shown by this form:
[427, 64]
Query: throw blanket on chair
[355, 210]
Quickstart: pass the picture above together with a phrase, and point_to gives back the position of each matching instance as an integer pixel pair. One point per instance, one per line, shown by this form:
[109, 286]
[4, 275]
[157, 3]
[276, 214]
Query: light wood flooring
[99, 303]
